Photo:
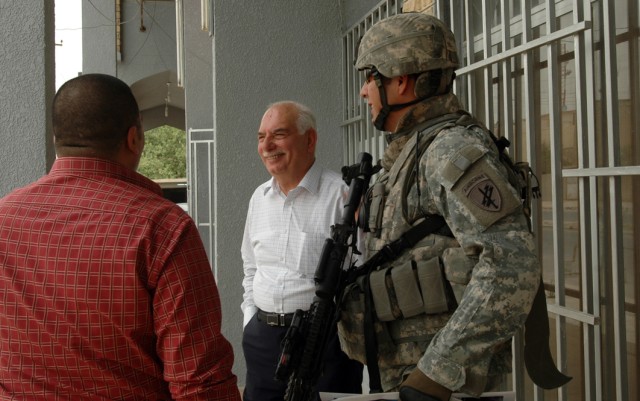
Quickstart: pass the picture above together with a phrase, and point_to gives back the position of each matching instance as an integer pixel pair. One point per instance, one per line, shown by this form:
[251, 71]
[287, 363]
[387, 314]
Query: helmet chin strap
[381, 118]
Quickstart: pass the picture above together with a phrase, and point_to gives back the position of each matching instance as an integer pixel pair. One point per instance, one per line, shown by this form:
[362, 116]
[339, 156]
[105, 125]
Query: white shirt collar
[310, 181]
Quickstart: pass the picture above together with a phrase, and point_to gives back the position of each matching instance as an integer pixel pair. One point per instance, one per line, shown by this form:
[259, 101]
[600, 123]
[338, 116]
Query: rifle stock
[304, 345]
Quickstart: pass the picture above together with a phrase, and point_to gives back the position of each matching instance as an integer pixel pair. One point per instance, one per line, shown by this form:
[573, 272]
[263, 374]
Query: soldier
[447, 308]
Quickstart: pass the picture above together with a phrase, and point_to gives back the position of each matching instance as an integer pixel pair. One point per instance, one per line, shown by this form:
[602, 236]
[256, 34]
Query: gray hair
[306, 119]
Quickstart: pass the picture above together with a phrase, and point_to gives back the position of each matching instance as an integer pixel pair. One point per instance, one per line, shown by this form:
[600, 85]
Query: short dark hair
[92, 114]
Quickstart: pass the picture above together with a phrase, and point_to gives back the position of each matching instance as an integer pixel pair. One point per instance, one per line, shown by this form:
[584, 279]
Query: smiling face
[286, 153]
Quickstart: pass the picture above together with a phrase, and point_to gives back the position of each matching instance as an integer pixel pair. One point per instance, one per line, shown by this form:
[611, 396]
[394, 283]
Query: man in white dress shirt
[288, 220]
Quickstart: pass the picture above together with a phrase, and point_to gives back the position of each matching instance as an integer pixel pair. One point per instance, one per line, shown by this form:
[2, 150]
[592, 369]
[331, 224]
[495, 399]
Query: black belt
[275, 319]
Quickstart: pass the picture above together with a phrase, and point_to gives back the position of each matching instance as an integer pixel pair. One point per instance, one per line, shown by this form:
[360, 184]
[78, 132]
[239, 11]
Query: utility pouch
[457, 269]
[380, 295]
[376, 206]
[432, 283]
[409, 289]
[351, 326]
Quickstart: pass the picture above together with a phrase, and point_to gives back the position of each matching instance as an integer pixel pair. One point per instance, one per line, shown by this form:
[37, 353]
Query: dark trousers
[261, 346]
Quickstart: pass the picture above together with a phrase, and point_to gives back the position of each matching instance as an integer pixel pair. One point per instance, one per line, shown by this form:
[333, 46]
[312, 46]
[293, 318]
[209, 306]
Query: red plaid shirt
[106, 292]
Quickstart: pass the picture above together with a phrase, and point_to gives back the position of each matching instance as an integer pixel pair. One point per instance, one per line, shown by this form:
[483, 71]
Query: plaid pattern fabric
[106, 292]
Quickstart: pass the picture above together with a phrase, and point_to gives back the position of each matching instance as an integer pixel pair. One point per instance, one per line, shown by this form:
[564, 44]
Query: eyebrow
[275, 131]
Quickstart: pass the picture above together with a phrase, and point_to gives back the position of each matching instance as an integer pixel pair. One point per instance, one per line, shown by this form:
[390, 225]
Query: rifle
[303, 347]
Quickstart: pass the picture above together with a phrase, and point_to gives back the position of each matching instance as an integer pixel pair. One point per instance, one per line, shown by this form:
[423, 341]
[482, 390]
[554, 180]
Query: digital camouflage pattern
[393, 47]
[491, 262]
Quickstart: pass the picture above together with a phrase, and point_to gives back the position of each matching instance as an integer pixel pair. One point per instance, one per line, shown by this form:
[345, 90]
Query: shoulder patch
[484, 193]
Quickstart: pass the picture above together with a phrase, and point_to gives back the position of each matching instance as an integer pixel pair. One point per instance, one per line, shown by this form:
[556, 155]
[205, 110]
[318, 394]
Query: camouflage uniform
[490, 265]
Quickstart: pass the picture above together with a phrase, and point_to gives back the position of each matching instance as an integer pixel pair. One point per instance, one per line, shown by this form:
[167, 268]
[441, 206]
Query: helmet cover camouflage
[407, 43]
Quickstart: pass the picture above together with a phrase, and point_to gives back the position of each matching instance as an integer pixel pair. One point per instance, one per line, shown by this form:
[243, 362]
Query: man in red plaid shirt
[106, 291]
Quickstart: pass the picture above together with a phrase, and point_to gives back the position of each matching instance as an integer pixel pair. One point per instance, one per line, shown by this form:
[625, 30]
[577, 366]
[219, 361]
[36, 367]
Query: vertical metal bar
[585, 109]
[506, 73]
[213, 202]
[596, 144]
[617, 264]
[453, 15]
[488, 76]
[532, 139]
[118, 24]
[366, 125]
[194, 186]
[189, 174]
[180, 43]
[557, 192]
[469, 78]
[194, 179]
[634, 84]
[205, 15]
[346, 95]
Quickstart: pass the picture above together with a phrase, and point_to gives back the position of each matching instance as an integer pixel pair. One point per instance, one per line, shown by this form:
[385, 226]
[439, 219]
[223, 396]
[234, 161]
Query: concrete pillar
[27, 86]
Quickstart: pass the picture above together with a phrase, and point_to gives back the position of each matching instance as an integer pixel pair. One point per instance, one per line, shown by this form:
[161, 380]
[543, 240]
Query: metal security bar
[547, 74]
[201, 184]
[358, 132]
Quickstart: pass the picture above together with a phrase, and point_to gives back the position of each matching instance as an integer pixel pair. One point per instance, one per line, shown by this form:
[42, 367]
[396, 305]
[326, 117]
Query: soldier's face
[371, 94]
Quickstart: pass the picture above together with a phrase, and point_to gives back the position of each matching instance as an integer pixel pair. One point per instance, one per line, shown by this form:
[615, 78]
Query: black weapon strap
[432, 223]
[537, 355]
[370, 341]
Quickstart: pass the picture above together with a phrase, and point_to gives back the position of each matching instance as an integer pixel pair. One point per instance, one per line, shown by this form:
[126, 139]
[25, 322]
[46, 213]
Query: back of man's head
[91, 116]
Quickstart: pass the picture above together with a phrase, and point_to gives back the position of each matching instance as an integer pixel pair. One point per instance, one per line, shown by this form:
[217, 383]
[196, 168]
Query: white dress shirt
[283, 240]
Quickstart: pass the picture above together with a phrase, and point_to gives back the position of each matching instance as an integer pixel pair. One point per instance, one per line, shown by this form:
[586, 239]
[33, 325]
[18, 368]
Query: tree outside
[164, 153]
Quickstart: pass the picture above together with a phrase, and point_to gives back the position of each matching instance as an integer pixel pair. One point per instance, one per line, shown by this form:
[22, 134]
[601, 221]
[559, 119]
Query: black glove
[416, 386]
[411, 394]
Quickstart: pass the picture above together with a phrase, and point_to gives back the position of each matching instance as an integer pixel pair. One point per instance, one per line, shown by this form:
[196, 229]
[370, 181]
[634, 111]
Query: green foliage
[164, 153]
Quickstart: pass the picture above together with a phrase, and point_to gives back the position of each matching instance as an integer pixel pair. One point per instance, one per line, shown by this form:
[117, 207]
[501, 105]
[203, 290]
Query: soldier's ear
[405, 84]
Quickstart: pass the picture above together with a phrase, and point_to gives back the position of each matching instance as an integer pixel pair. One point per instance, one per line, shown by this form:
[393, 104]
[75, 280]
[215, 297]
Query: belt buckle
[274, 320]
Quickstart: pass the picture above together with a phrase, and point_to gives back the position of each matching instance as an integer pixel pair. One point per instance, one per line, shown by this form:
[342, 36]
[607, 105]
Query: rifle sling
[432, 223]
[370, 341]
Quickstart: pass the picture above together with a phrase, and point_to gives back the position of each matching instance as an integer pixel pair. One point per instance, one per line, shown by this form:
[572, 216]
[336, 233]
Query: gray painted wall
[265, 52]
[27, 85]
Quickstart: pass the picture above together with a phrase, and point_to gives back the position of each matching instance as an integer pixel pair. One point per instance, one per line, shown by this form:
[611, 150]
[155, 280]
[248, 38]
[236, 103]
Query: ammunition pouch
[409, 289]
[411, 303]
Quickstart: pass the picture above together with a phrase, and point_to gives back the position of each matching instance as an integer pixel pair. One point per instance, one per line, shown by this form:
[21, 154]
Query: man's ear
[312, 140]
[405, 84]
[135, 140]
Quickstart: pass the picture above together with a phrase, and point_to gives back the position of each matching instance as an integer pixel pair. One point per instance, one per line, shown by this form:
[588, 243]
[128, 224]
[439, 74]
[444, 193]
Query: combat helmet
[409, 43]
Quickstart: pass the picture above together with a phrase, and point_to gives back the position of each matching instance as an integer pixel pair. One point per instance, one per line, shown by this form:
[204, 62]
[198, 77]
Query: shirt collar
[310, 181]
[91, 166]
